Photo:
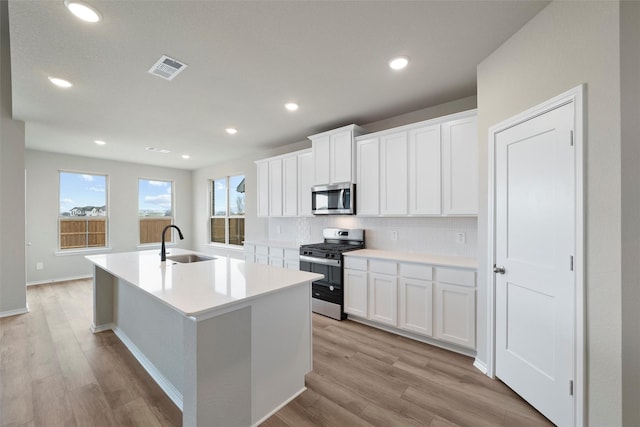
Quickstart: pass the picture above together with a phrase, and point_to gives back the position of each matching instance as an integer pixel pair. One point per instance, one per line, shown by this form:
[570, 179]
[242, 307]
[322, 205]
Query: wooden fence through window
[151, 229]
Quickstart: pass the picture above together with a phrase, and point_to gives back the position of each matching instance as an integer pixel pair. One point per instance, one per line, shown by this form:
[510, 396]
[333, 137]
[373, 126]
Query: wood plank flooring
[55, 372]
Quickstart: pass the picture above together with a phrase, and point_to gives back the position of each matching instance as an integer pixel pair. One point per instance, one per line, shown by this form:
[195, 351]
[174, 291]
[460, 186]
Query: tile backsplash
[442, 236]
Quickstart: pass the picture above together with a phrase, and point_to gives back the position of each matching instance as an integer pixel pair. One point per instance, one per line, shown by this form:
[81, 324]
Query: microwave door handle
[342, 195]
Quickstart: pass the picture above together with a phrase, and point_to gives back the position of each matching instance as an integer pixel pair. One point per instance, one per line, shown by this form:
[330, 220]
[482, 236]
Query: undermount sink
[188, 258]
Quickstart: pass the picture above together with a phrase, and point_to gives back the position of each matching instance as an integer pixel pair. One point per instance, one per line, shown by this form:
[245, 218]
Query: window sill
[146, 246]
[236, 248]
[83, 251]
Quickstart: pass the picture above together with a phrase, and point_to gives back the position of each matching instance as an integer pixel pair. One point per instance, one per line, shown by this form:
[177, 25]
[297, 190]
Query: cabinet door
[321, 159]
[455, 314]
[355, 292]
[341, 152]
[368, 173]
[305, 182]
[460, 167]
[393, 174]
[416, 306]
[424, 171]
[383, 298]
[290, 186]
[275, 187]
[263, 189]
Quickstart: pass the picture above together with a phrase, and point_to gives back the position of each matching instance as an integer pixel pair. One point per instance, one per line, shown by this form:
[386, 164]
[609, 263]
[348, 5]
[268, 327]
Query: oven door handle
[314, 260]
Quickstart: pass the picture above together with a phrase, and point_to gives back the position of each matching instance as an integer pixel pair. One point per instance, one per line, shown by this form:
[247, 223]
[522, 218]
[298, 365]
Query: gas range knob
[331, 288]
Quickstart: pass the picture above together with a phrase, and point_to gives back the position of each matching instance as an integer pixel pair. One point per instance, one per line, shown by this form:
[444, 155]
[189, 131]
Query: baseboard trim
[479, 365]
[277, 408]
[166, 385]
[58, 280]
[15, 312]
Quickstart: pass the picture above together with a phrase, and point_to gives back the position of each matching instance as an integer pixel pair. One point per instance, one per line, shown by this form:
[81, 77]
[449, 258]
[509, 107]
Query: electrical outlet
[40, 266]
[278, 229]
[394, 235]
[461, 238]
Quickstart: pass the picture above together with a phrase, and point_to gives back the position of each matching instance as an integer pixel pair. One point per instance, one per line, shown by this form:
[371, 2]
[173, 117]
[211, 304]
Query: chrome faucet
[163, 251]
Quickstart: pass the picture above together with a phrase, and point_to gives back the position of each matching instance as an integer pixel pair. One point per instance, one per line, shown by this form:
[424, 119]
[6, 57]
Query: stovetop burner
[333, 247]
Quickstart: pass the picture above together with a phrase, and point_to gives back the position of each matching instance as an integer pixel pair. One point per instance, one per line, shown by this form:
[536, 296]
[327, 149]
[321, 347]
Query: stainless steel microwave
[334, 199]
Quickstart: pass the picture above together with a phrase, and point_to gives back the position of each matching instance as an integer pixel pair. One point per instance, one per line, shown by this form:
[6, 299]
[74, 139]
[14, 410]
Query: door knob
[498, 269]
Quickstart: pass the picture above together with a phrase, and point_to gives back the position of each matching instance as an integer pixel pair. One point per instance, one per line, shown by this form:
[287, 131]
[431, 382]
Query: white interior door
[535, 214]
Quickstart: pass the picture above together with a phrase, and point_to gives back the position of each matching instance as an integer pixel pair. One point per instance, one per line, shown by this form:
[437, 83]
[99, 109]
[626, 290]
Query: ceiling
[245, 59]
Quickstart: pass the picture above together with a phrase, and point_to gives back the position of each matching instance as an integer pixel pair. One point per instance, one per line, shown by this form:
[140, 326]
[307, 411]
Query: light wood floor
[55, 372]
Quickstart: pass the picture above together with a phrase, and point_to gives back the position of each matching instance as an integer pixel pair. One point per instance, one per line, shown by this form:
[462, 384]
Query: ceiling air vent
[167, 68]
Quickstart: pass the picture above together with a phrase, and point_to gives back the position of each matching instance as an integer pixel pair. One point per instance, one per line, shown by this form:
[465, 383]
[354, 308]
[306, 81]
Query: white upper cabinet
[424, 171]
[334, 155]
[275, 187]
[305, 182]
[393, 174]
[460, 166]
[263, 189]
[283, 181]
[290, 186]
[368, 181]
[321, 159]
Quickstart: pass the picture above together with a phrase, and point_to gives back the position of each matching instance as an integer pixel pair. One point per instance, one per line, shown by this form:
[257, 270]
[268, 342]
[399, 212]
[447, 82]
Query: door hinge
[571, 262]
[571, 388]
[571, 138]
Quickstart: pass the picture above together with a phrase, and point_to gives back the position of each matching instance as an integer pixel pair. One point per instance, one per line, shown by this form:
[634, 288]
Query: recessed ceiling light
[157, 150]
[83, 11]
[186, 156]
[291, 106]
[60, 82]
[231, 131]
[398, 63]
[99, 142]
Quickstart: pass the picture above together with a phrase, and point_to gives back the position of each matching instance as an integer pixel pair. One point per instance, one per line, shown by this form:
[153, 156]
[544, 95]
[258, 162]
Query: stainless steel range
[326, 258]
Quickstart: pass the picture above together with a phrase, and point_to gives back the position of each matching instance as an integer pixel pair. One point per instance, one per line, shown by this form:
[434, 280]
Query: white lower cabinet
[355, 292]
[455, 306]
[435, 302]
[456, 314]
[416, 302]
[383, 298]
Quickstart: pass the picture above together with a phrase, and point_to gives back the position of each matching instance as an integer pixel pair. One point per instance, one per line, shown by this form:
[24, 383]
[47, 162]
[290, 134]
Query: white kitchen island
[228, 341]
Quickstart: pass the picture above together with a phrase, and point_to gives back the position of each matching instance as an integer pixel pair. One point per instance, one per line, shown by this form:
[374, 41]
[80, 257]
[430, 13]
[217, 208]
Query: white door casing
[536, 228]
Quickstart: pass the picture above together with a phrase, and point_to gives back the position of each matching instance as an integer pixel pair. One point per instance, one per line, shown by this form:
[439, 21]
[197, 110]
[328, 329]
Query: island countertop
[194, 289]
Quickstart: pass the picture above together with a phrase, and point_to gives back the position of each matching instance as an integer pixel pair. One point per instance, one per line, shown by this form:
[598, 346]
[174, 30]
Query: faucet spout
[163, 251]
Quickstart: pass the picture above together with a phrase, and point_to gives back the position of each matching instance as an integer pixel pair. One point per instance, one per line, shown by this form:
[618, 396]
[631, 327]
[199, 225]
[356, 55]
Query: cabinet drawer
[262, 250]
[383, 267]
[355, 263]
[456, 277]
[276, 252]
[416, 271]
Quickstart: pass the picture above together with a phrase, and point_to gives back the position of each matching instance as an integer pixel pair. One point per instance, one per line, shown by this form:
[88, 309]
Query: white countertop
[197, 288]
[436, 260]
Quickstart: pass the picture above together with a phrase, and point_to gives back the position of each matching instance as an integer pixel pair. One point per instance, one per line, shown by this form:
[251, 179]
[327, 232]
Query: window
[82, 217]
[155, 209]
[227, 210]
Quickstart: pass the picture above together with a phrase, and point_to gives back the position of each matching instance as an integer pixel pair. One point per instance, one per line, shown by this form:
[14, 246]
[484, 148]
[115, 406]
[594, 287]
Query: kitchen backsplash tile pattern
[423, 235]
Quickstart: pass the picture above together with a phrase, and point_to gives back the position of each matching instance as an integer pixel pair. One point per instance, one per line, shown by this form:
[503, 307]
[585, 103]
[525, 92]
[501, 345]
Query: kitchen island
[228, 341]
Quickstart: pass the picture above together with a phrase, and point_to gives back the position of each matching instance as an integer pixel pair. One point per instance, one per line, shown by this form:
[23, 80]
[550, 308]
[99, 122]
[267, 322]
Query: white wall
[630, 84]
[13, 295]
[566, 44]
[427, 235]
[42, 210]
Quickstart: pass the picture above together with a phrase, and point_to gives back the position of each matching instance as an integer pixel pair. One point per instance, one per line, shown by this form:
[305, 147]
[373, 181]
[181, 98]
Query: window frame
[107, 229]
[170, 238]
[227, 217]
